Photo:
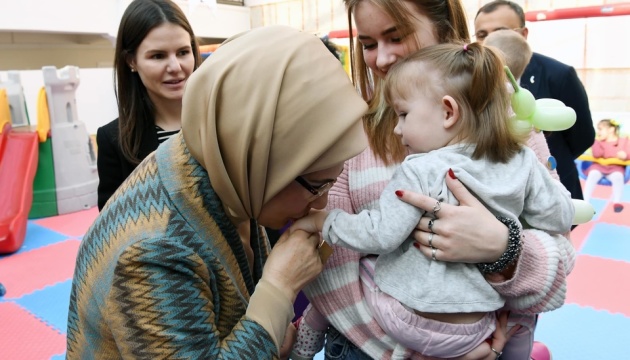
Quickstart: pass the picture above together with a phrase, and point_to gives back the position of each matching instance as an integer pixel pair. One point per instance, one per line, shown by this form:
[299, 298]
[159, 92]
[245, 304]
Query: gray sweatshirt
[519, 189]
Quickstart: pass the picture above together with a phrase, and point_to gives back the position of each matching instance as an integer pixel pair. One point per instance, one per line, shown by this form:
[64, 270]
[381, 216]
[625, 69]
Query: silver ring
[431, 239]
[436, 207]
[431, 225]
[433, 252]
[498, 353]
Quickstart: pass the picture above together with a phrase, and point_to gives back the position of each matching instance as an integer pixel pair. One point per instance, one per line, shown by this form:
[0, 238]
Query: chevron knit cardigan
[162, 273]
[538, 285]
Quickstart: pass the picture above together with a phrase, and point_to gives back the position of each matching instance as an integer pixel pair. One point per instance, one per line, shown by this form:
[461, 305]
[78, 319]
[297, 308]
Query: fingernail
[451, 174]
[399, 193]
[416, 245]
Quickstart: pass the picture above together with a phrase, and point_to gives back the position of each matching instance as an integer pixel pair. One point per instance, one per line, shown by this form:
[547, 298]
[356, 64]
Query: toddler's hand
[622, 155]
[311, 223]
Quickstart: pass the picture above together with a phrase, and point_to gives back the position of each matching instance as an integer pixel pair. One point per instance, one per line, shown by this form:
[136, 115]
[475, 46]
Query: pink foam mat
[580, 234]
[596, 282]
[25, 337]
[609, 215]
[73, 224]
[26, 272]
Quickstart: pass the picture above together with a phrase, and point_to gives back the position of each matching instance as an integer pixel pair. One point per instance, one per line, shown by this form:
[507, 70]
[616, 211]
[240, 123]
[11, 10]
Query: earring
[133, 69]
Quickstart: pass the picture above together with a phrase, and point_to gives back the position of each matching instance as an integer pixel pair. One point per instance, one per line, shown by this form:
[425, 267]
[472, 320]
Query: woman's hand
[293, 262]
[466, 233]
[289, 339]
[500, 337]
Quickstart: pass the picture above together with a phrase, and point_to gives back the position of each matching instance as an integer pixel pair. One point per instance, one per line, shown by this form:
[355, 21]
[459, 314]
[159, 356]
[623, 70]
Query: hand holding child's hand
[287, 344]
[492, 348]
[311, 223]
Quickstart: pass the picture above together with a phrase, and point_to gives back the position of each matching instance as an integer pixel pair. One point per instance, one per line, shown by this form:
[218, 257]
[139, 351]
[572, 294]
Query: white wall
[72, 16]
[220, 22]
[103, 16]
[96, 102]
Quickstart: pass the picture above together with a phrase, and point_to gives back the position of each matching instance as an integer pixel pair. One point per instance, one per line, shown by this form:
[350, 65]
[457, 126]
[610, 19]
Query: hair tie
[614, 123]
[465, 47]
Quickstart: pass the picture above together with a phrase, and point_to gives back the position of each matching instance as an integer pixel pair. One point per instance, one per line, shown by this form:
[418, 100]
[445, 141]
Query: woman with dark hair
[156, 51]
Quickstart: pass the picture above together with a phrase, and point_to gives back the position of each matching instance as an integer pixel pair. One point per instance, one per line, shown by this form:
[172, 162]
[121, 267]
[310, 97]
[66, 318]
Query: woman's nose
[173, 64]
[385, 58]
[320, 203]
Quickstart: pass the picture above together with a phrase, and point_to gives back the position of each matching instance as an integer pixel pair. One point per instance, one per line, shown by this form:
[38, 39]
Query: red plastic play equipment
[579, 12]
[543, 15]
[19, 152]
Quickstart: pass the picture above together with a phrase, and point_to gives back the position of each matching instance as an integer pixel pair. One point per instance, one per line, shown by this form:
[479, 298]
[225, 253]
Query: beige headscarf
[270, 104]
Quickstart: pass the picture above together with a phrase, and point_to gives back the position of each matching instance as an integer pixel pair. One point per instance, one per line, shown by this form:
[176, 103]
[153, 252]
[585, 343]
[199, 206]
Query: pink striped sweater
[538, 285]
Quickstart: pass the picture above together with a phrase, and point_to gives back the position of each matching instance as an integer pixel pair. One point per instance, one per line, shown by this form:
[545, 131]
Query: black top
[113, 167]
[164, 135]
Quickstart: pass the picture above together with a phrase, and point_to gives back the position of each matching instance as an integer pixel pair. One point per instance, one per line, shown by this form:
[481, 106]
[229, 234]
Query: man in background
[547, 78]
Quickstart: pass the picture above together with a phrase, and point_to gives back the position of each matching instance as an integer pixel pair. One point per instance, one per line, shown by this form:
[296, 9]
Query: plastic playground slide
[19, 151]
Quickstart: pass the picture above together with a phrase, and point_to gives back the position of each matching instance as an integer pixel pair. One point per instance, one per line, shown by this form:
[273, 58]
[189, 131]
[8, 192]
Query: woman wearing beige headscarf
[177, 264]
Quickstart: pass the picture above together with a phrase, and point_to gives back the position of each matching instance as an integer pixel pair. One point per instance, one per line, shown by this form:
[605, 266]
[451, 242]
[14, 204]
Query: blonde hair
[473, 75]
[449, 23]
[515, 49]
[611, 123]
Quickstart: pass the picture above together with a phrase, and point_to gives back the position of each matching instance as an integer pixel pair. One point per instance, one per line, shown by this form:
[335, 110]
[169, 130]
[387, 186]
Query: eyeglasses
[316, 192]
[482, 35]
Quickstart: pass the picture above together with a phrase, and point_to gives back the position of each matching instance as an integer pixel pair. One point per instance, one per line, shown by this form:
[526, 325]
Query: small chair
[583, 165]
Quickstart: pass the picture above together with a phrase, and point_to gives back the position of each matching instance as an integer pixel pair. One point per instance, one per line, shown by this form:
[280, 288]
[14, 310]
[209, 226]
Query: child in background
[452, 103]
[608, 145]
[515, 49]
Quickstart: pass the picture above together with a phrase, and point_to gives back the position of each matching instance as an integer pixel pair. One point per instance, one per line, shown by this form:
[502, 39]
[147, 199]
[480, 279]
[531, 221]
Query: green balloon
[552, 115]
[523, 103]
[547, 102]
[522, 126]
[584, 212]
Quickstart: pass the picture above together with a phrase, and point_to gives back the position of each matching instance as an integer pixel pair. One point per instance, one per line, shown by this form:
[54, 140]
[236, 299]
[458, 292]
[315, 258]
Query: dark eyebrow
[387, 31]
[185, 47]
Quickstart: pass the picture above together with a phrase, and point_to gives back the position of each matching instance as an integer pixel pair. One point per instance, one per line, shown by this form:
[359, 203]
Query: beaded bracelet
[512, 251]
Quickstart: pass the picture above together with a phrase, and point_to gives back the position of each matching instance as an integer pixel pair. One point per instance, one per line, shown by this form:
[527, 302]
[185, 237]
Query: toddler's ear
[450, 109]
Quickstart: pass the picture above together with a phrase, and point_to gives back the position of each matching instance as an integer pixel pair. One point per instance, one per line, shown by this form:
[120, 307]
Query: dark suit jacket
[113, 167]
[548, 78]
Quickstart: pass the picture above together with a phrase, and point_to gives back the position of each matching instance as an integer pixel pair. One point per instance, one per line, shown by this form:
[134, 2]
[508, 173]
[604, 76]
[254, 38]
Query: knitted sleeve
[539, 282]
[164, 305]
[339, 195]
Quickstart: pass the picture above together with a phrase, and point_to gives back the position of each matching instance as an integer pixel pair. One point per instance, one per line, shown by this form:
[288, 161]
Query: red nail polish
[416, 245]
[399, 193]
[451, 174]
